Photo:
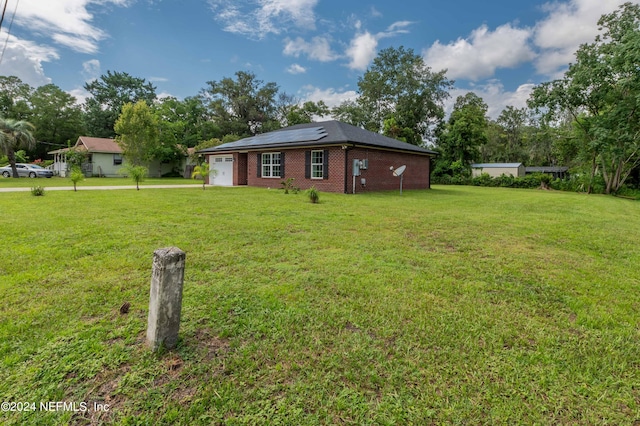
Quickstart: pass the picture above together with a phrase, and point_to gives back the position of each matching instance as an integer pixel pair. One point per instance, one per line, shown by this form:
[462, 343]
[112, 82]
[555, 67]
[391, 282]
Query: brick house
[323, 155]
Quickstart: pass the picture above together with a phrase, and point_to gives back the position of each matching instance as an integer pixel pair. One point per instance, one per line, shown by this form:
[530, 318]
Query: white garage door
[223, 166]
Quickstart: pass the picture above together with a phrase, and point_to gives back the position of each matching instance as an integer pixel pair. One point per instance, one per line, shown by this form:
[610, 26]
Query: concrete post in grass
[165, 299]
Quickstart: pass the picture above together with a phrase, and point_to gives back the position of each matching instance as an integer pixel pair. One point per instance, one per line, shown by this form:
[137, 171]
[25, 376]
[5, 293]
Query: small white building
[498, 169]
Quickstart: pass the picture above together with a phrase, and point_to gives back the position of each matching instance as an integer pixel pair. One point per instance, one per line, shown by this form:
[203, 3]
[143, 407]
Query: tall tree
[400, 85]
[351, 112]
[492, 151]
[109, 93]
[291, 110]
[14, 98]
[546, 145]
[16, 134]
[245, 106]
[183, 123]
[137, 130]
[465, 131]
[393, 129]
[56, 116]
[601, 92]
[513, 122]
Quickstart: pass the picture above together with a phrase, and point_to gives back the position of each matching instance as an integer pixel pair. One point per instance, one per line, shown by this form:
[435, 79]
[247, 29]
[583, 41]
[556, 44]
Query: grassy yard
[456, 305]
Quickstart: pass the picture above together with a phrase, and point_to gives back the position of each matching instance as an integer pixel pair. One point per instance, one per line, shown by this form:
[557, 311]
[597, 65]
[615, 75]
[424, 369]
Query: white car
[26, 170]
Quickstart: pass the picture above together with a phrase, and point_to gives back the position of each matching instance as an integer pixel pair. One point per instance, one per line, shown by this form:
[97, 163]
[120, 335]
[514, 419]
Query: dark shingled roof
[546, 169]
[318, 134]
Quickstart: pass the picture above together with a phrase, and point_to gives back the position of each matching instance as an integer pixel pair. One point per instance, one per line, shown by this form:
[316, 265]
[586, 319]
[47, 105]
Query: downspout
[346, 149]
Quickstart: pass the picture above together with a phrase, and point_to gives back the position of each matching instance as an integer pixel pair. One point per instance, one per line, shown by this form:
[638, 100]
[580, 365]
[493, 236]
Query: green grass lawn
[458, 305]
[93, 181]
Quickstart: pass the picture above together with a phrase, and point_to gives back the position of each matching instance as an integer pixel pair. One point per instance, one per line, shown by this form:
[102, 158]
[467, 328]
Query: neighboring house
[105, 159]
[188, 164]
[59, 166]
[498, 169]
[555, 172]
[325, 155]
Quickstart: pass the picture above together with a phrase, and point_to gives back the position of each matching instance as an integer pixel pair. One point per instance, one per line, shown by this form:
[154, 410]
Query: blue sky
[313, 49]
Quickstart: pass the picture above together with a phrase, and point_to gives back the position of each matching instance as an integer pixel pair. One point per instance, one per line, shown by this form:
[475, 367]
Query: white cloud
[67, 23]
[258, 18]
[24, 58]
[330, 96]
[91, 69]
[495, 96]
[296, 69]
[399, 27]
[78, 44]
[363, 47]
[550, 45]
[567, 26]
[362, 51]
[164, 95]
[80, 94]
[318, 49]
[375, 12]
[484, 51]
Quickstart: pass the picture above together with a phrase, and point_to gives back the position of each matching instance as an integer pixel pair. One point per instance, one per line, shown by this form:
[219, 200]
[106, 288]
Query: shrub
[137, 173]
[460, 180]
[76, 176]
[441, 180]
[532, 181]
[314, 195]
[505, 181]
[628, 192]
[579, 182]
[483, 180]
[287, 184]
[76, 158]
[37, 191]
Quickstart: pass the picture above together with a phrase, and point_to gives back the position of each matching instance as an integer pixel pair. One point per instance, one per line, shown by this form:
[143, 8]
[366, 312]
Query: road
[98, 188]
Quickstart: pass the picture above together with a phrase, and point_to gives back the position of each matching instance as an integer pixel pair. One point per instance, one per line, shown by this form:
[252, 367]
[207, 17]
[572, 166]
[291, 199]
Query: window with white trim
[317, 164]
[271, 165]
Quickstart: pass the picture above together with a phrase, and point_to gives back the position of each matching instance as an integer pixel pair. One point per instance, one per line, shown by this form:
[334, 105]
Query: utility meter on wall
[356, 167]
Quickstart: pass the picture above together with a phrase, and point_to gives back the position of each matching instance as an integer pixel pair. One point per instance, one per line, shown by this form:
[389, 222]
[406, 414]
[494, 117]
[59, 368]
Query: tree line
[587, 120]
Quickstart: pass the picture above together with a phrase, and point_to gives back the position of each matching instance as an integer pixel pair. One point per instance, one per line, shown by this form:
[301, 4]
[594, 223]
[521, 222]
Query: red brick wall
[294, 168]
[240, 168]
[378, 175]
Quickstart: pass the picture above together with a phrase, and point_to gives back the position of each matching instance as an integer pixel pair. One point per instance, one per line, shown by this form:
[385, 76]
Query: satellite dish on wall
[399, 171]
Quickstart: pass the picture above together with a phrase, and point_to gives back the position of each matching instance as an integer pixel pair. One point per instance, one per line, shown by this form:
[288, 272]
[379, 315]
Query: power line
[4, 9]
[15, 9]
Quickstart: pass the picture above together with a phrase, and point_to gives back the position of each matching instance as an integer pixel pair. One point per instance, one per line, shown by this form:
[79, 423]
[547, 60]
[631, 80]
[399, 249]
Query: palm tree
[202, 171]
[16, 134]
